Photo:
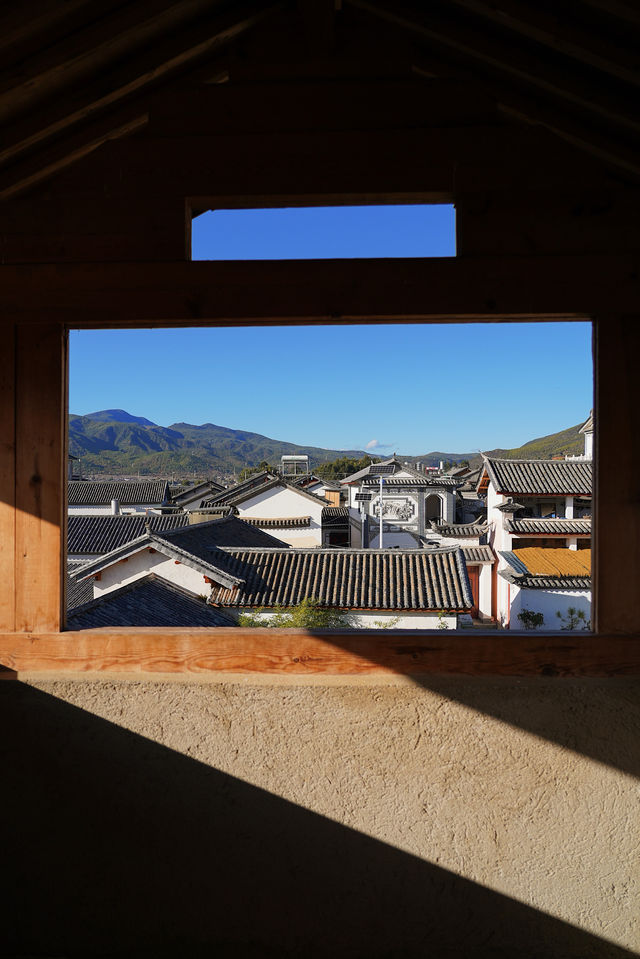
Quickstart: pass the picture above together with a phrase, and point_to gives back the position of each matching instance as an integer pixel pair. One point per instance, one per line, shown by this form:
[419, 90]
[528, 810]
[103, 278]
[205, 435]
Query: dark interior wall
[234, 819]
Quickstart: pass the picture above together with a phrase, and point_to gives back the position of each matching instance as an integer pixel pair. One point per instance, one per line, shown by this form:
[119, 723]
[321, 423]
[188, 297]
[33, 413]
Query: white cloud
[377, 445]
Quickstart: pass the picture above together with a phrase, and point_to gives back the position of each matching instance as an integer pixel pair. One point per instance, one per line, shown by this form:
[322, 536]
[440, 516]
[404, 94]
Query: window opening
[401, 395]
[301, 233]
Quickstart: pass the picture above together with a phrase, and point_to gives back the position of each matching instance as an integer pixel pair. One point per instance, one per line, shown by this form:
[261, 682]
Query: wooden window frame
[33, 381]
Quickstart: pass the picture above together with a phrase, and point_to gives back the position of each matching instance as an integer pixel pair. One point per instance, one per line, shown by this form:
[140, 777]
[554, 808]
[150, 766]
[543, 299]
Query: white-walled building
[189, 557]
[534, 503]
[479, 557]
[410, 501]
[102, 498]
[294, 514]
[404, 589]
[547, 582]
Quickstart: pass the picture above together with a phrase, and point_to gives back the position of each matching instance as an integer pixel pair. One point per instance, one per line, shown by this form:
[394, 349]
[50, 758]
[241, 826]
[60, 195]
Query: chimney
[115, 507]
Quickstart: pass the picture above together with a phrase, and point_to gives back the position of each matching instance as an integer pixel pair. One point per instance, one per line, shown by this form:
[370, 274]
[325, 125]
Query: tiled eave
[272, 522]
[548, 527]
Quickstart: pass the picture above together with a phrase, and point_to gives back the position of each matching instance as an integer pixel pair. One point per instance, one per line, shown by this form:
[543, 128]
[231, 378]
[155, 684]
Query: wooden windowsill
[197, 653]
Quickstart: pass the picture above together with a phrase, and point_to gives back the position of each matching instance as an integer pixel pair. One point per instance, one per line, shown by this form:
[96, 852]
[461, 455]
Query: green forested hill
[116, 443]
[569, 441]
[125, 445]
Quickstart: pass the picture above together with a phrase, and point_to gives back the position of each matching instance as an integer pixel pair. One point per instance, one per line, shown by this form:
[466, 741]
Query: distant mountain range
[115, 442]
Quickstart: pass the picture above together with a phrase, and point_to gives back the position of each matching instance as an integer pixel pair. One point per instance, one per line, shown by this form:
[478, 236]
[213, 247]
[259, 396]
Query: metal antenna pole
[381, 481]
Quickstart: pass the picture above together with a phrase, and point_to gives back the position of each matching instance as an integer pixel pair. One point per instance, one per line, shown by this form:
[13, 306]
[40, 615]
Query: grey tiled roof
[541, 477]
[79, 591]
[252, 483]
[349, 579]
[214, 512]
[201, 538]
[548, 527]
[84, 493]
[547, 582]
[203, 490]
[314, 480]
[278, 522]
[478, 554]
[101, 534]
[460, 529]
[360, 474]
[335, 515]
[399, 481]
[511, 506]
[150, 601]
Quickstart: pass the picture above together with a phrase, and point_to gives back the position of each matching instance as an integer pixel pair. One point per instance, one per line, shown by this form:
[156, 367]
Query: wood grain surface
[196, 652]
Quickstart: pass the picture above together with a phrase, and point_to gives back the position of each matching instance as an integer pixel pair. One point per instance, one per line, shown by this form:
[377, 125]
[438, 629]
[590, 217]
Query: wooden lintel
[320, 291]
[197, 652]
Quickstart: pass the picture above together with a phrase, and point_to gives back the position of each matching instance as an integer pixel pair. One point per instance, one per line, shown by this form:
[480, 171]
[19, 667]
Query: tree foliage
[573, 619]
[344, 466]
[306, 615]
[531, 619]
[251, 470]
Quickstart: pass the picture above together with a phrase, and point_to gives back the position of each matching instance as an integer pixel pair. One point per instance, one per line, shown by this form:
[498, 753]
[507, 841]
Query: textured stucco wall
[438, 818]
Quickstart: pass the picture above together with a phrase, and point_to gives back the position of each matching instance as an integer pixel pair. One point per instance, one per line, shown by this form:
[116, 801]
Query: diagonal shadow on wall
[598, 718]
[116, 846]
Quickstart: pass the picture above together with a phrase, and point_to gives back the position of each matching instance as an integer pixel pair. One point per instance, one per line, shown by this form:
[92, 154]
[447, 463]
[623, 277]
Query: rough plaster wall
[527, 788]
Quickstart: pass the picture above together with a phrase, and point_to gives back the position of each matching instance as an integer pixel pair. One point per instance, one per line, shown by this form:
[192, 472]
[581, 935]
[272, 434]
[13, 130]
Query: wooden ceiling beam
[533, 73]
[46, 19]
[153, 65]
[629, 13]
[121, 34]
[525, 108]
[57, 158]
[452, 289]
[555, 32]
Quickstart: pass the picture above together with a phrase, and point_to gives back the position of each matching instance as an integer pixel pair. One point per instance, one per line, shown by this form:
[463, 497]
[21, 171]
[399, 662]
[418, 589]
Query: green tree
[344, 466]
[574, 619]
[251, 470]
[306, 615]
[531, 620]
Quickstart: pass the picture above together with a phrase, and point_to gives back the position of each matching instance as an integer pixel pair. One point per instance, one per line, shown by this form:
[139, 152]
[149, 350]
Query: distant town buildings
[507, 545]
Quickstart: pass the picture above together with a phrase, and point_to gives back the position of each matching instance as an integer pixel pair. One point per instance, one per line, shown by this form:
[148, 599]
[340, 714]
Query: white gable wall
[500, 539]
[280, 503]
[141, 564]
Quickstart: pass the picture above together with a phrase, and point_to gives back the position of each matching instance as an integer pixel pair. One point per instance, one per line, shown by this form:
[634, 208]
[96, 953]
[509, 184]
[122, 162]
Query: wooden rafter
[589, 113]
[38, 118]
[558, 34]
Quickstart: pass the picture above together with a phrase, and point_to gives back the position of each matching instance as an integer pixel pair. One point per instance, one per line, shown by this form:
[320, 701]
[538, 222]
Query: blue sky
[405, 388]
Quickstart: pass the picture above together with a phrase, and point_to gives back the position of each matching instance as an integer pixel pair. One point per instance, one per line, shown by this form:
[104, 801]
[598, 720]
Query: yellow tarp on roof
[541, 561]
